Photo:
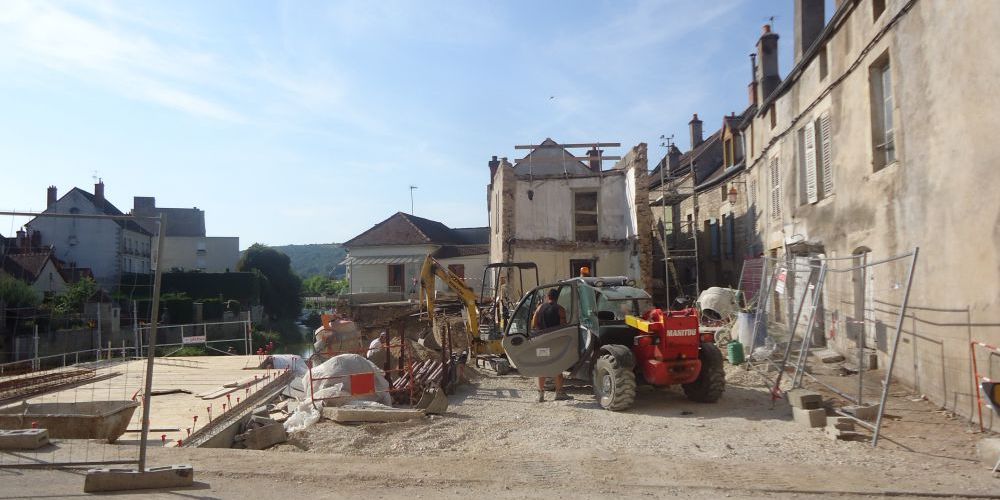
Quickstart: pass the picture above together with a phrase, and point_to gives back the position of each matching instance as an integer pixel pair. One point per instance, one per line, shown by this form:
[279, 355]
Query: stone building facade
[878, 141]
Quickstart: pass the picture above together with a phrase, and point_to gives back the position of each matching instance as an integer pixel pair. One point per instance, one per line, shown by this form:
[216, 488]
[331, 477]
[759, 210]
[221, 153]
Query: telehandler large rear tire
[614, 384]
[711, 382]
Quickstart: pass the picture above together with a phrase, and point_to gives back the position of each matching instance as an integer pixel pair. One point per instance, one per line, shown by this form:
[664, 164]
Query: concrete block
[808, 400]
[24, 439]
[810, 418]
[841, 435]
[265, 437]
[840, 423]
[352, 415]
[863, 412]
[988, 450]
[828, 355]
[171, 476]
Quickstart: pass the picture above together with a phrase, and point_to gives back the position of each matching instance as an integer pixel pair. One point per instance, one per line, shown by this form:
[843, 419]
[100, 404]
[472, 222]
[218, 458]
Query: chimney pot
[99, 193]
[51, 198]
[767, 64]
[595, 159]
[696, 135]
[766, 29]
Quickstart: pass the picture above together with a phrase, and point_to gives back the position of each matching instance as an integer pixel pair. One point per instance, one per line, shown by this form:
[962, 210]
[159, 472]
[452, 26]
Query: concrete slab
[354, 415]
[808, 400]
[171, 476]
[265, 437]
[172, 411]
[809, 418]
[23, 439]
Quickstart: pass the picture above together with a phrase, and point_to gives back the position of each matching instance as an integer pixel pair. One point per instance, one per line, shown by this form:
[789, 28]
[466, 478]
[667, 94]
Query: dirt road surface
[496, 442]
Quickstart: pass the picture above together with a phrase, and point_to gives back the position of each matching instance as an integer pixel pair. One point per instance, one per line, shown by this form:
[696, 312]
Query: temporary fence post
[135, 329]
[975, 384]
[151, 349]
[895, 347]
[37, 362]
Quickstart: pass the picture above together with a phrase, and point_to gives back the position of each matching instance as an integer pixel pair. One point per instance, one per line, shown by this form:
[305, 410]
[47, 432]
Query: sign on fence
[197, 339]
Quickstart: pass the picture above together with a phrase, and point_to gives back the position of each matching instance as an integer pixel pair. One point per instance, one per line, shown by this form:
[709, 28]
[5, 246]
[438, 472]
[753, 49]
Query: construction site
[365, 416]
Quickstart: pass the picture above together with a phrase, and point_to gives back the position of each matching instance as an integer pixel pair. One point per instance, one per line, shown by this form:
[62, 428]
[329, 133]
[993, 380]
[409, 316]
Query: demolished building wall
[532, 219]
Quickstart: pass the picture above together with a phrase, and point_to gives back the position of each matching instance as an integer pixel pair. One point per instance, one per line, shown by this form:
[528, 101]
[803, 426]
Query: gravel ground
[496, 442]
[498, 417]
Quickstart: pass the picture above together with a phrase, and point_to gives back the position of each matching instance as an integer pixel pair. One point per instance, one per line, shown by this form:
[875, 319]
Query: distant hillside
[318, 259]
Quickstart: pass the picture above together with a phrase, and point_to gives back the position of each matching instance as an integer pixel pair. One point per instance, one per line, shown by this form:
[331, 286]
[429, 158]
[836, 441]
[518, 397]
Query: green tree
[75, 296]
[16, 293]
[281, 288]
[318, 285]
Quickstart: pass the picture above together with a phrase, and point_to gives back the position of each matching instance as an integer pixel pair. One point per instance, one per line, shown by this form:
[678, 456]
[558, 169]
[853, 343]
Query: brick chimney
[594, 161]
[36, 240]
[767, 63]
[494, 165]
[696, 137]
[809, 20]
[22, 239]
[99, 194]
[50, 200]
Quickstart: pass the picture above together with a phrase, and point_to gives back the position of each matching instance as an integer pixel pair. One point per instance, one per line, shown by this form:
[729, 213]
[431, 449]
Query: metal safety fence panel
[88, 404]
[815, 304]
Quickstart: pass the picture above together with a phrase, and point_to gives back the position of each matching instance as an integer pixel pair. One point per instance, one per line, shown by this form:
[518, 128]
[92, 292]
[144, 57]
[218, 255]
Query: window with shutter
[826, 150]
[775, 189]
[810, 159]
[753, 204]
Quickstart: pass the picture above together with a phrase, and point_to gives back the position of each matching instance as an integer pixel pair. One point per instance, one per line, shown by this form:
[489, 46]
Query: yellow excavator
[470, 313]
[482, 322]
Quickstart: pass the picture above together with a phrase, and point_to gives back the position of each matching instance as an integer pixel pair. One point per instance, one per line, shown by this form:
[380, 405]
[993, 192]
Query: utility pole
[412, 187]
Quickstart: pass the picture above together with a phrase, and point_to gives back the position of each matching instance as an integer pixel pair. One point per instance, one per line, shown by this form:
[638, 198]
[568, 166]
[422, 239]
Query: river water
[303, 348]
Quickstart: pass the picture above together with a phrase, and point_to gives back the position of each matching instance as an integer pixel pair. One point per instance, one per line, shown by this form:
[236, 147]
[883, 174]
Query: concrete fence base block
[810, 418]
[863, 412]
[171, 476]
[801, 398]
[24, 439]
[988, 450]
[840, 423]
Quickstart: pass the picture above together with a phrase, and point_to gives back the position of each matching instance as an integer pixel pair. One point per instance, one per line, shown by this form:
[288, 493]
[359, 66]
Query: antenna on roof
[666, 141]
[94, 176]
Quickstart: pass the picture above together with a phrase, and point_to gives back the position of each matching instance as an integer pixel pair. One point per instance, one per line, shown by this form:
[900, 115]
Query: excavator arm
[432, 268]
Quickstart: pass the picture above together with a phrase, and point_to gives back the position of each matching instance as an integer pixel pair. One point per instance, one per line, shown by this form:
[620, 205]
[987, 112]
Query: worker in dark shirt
[548, 315]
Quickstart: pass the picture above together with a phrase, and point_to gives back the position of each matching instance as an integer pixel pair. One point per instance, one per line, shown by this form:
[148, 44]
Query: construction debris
[424, 374]
[260, 433]
[867, 412]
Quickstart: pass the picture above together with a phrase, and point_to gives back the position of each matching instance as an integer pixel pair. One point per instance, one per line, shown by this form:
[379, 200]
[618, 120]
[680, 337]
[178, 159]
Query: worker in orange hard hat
[584, 271]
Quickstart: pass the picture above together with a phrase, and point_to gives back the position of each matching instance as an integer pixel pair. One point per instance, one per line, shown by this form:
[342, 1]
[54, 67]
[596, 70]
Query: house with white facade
[109, 248]
[387, 258]
[186, 246]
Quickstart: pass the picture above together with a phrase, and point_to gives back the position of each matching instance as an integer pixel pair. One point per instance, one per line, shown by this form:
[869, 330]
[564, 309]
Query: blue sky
[306, 122]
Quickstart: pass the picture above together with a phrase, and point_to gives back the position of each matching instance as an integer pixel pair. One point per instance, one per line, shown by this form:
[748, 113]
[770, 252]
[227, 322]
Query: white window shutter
[810, 154]
[827, 153]
[775, 189]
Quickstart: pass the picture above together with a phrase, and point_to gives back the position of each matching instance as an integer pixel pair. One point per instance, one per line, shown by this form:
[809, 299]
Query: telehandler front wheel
[614, 384]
